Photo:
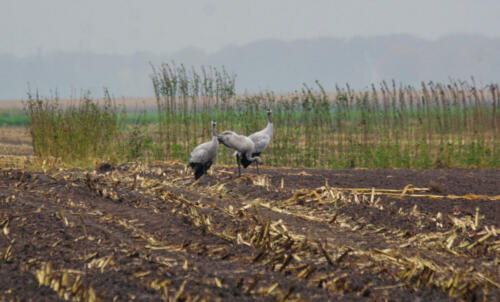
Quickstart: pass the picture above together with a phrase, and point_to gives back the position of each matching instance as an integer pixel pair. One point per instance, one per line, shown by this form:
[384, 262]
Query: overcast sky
[160, 26]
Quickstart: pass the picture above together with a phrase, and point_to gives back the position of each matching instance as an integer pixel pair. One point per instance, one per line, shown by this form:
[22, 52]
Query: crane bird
[261, 139]
[204, 155]
[243, 146]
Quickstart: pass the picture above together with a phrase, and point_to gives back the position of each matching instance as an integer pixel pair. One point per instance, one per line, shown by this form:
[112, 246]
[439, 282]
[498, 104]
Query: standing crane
[243, 146]
[261, 140]
[204, 155]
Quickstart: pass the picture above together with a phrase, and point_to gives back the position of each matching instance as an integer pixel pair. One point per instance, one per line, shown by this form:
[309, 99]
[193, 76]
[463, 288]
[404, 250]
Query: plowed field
[145, 233]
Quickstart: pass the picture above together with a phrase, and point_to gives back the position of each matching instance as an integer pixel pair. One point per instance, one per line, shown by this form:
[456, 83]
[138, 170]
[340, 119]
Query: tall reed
[390, 125]
[399, 126]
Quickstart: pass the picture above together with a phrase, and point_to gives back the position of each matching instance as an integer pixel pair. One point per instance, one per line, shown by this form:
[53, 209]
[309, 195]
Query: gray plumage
[204, 155]
[244, 146]
[261, 140]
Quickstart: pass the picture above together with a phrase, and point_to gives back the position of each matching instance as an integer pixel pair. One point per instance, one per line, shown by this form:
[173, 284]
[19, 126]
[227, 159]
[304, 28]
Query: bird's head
[222, 137]
[269, 115]
[214, 123]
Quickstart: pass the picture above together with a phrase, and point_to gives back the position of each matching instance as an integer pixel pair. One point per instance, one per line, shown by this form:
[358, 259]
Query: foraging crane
[243, 146]
[204, 155]
[261, 140]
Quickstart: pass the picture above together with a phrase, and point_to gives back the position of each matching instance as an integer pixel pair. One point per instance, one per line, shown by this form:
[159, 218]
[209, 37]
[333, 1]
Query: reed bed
[389, 125]
[435, 125]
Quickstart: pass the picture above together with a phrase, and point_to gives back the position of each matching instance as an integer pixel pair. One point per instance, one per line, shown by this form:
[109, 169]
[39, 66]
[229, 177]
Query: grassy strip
[13, 117]
[17, 117]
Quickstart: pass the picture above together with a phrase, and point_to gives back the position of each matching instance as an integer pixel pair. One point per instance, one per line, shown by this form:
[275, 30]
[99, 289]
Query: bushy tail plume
[244, 160]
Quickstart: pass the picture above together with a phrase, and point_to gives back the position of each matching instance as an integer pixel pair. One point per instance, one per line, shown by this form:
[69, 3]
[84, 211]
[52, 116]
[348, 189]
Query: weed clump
[76, 133]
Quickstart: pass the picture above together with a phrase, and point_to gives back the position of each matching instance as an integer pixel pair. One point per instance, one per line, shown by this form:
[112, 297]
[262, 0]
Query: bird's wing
[232, 141]
[200, 154]
[261, 141]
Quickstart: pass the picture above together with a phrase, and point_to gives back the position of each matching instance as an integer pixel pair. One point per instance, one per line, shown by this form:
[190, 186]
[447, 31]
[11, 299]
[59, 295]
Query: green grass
[13, 117]
[17, 117]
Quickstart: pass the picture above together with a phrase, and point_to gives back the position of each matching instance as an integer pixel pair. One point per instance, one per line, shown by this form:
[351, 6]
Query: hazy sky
[160, 26]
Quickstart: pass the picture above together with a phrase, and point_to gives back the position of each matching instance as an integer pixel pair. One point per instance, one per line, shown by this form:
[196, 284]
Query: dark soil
[148, 233]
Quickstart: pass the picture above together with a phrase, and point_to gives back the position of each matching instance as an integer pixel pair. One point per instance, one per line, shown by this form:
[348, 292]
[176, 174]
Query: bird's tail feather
[198, 168]
[198, 173]
[245, 162]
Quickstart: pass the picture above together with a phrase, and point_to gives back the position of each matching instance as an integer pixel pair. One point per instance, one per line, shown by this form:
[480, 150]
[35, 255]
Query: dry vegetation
[15, 148]
[137, 232]
[15, 141]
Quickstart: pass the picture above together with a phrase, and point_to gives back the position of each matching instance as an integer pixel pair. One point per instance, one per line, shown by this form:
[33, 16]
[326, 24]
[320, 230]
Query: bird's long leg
[257, 167]
[238, 162]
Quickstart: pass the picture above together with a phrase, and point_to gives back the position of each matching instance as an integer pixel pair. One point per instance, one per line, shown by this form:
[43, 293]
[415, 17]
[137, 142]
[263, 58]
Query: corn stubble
[300, 244]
